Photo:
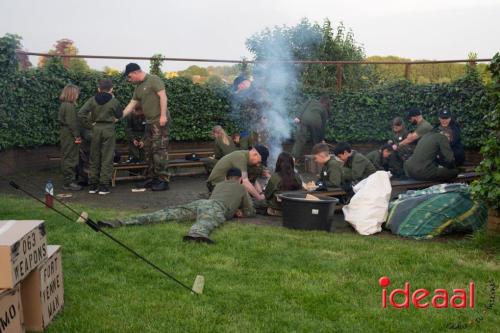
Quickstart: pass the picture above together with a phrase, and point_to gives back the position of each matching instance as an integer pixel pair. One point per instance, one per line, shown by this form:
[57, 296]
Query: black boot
[109, 224]
[198, 239]
[160, 185]
[145, 184]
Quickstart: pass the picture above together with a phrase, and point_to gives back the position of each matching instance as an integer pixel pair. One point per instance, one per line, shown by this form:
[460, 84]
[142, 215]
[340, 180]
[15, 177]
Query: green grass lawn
[258, 278]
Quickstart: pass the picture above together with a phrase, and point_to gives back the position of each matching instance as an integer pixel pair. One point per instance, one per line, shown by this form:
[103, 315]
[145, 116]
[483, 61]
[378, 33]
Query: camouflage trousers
[156, 153]
[208, 215]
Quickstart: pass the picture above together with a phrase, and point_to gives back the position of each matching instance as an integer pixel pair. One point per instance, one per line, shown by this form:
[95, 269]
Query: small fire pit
[307, 211]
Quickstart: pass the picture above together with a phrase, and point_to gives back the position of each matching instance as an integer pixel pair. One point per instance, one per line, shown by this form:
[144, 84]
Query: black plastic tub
[299, 213]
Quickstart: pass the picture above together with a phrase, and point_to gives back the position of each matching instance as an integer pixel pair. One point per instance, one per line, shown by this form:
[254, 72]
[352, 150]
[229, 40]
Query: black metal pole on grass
[94, 226]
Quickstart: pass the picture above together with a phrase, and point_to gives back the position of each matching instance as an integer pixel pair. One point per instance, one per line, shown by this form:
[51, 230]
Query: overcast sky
[417, 29]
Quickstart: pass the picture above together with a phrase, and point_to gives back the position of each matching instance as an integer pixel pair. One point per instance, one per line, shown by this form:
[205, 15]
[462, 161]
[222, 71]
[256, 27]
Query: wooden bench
[137, 170]
[406, 184]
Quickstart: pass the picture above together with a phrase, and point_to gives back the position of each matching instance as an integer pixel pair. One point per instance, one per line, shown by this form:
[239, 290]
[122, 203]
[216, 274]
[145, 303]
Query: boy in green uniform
[134, 130]
[101, 112]
[386, 159]
[312, 123]
[150, 93]
[355, 166]
[331, 172]
[70, 136]
[229, 199]
[410, 142]
[432, 159]
[240, 159]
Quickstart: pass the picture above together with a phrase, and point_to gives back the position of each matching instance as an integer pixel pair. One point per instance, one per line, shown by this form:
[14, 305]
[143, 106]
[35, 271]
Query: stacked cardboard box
[31, 280]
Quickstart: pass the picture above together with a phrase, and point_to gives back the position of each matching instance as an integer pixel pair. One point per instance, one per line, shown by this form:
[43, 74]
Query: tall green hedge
[29, 104]
[366, 115]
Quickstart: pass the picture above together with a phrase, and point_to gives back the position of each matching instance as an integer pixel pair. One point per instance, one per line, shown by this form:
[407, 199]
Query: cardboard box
[23, 246]
[11, 314]
[42, 292]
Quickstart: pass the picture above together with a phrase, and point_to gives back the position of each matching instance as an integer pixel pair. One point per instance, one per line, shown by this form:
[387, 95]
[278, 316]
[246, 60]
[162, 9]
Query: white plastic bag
[368, 208]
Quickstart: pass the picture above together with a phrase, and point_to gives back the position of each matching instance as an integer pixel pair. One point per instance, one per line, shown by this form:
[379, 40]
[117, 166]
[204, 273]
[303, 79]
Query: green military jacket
[377, 160]
[222, 149]
[393, 163]
[68, 119]
[357, 168]
[233, 196]
[433, 149]
[103, 108]
[274, 187]
[398, 137]
[423, 128]
[146, 92]
[331, 173]
[236, 159]
[314, 114]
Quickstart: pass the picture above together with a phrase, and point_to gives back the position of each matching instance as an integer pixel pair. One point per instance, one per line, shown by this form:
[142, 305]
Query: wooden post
[340, 74]
[407, 71]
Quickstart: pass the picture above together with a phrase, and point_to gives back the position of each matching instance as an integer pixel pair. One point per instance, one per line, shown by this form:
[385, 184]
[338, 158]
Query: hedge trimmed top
[29, 104]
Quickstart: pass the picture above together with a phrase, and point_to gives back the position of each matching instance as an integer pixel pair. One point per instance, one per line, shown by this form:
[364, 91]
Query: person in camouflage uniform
[70, 136]
[229, 199]
[100, 113]
[150, 93]
[134, 130]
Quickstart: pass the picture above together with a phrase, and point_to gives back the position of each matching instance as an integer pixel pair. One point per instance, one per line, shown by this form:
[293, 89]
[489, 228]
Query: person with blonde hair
[70, 136]
[223, 145]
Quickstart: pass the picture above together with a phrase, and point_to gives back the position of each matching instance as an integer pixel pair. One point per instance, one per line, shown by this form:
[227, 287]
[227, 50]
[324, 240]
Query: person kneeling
[229, 199]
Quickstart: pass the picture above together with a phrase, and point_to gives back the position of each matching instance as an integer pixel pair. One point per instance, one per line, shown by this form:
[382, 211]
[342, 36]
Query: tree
[10, 60]
[155, 65]
[111, 71]
[193, 71]
[66, 46]
[310, 41]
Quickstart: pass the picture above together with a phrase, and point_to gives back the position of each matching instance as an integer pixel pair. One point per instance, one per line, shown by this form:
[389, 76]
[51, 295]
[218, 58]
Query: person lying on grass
[229, 199]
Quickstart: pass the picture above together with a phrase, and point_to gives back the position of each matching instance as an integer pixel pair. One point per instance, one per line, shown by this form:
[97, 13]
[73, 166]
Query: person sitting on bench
[229, 199]
[422, 126]
[135, 129]
[386, 159]
[355, 166]
[284, 178]
[331, 172]
[223, 145]
[432, 159]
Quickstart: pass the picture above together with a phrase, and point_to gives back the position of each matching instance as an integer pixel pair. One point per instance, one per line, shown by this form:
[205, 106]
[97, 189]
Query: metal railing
[338, 63]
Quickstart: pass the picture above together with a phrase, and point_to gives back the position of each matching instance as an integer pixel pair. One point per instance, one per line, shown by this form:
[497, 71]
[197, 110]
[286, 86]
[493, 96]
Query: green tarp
[434, 211]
